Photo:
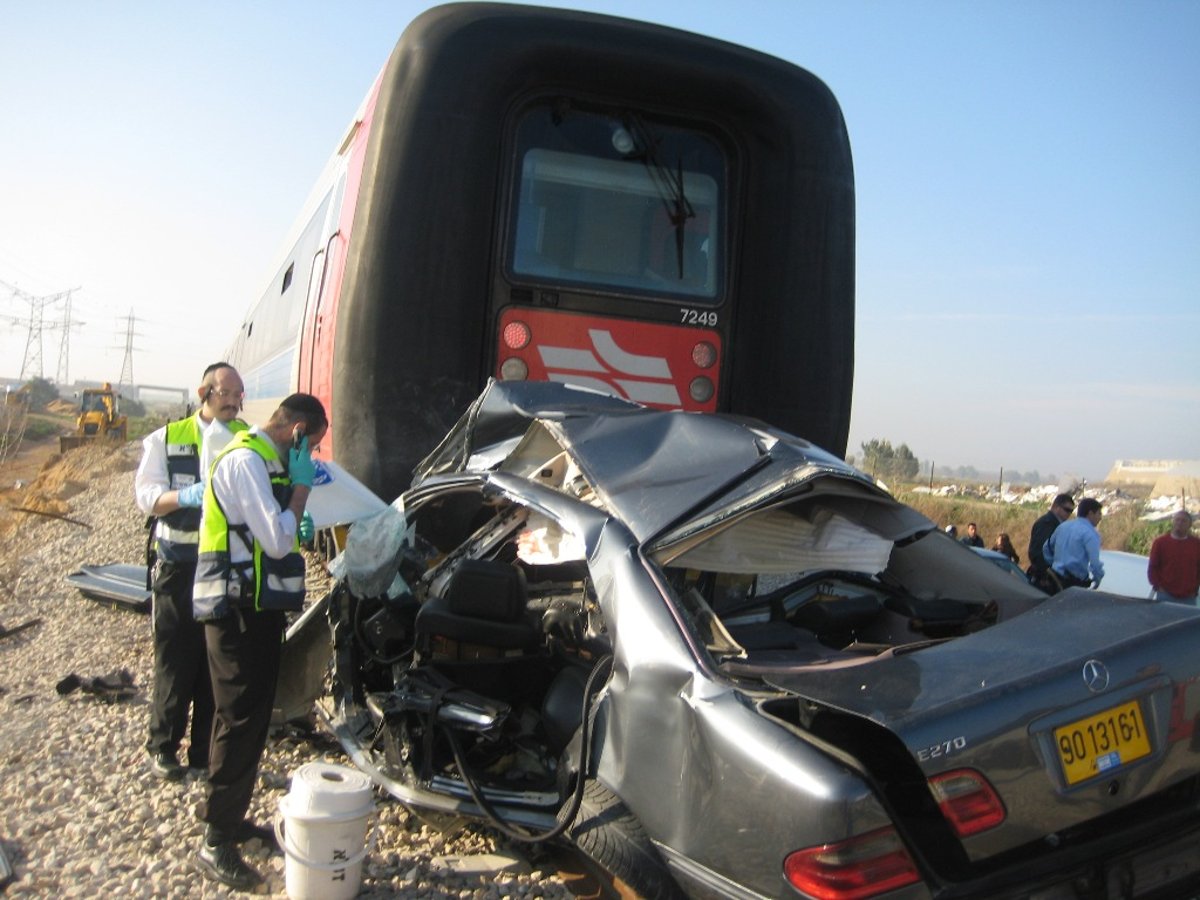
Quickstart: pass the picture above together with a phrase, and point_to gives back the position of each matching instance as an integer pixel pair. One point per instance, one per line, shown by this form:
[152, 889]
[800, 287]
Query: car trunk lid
[1077, 708]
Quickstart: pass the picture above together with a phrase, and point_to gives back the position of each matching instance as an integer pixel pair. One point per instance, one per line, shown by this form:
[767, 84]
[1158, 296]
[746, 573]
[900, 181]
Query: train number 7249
[698, 317]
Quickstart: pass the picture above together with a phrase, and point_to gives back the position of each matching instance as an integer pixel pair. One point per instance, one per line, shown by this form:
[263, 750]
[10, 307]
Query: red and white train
[547, 194]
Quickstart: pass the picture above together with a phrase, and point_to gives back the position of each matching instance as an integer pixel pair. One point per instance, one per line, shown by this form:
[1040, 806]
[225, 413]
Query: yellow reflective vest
[177, 533]
[260, 582]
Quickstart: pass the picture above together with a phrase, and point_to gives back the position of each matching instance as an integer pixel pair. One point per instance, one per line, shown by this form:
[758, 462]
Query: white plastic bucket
[322, 827]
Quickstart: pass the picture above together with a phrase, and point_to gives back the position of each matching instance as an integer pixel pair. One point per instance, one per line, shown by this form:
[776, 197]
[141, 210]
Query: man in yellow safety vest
[250, 573]
[168, 487]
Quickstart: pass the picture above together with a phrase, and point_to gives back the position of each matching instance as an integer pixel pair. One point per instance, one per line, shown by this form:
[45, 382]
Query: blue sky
[1027, 177]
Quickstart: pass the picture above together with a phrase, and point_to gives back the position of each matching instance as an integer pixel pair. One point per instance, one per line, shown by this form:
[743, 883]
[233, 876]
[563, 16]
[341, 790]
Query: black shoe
[248, 831]
[224, 863]
[166, 766]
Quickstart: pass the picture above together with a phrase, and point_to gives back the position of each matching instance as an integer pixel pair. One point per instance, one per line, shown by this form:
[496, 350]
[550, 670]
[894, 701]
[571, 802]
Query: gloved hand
[301, 468]
[305, 529]
[192, 495]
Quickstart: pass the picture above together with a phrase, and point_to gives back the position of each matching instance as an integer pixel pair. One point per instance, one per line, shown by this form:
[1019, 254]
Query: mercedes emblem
[1095, 675]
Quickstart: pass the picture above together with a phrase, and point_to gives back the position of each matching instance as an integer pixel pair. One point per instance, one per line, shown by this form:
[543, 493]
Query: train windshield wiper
[669, 184]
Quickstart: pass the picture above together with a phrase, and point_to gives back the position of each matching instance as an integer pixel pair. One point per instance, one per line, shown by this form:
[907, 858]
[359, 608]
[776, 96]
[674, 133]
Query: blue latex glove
[305, 529]
[192, 495]
[301, 468]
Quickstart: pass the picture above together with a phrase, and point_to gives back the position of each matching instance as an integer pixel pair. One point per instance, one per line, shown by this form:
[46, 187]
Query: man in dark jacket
[973, 539]
[1060, 511]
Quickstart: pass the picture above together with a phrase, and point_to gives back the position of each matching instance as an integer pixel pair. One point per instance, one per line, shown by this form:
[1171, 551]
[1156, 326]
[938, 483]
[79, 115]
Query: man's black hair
[213, 368]
[1086, 507]
[308, 407]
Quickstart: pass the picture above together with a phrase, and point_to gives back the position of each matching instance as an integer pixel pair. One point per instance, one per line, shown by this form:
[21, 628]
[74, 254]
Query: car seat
[483, 604]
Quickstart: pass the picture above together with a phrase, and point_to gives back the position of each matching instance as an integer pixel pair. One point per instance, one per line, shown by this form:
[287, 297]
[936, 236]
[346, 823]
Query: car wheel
[612, 838]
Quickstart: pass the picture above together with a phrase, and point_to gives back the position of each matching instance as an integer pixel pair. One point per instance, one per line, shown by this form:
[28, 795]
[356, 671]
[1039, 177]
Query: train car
[531, 193]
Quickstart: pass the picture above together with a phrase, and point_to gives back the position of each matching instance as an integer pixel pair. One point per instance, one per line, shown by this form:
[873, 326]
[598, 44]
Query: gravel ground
[80, 813]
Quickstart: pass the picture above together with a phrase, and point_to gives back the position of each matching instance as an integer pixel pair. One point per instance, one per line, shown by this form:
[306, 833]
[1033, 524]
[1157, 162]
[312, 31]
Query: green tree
[132, 407]
[905, 463]
[41, 393]
[876, 455]
[882, 460]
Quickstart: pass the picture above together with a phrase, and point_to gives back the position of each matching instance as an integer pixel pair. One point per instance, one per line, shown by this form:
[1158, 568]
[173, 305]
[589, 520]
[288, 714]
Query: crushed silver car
[722, 662]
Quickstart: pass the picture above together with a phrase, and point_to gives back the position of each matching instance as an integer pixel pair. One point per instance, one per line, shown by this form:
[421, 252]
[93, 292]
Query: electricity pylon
[127, 362]
[32, 360]
[64, 348]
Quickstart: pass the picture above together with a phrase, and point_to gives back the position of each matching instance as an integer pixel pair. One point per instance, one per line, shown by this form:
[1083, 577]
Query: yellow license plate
[1102, 742]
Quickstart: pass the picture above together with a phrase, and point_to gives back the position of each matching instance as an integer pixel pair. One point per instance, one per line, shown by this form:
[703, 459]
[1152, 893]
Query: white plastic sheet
[338, 498]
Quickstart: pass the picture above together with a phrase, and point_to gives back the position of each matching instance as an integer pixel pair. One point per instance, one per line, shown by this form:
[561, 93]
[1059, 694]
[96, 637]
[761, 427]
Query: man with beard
[168, 487]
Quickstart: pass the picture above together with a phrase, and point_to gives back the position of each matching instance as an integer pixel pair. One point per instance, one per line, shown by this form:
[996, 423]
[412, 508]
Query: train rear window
[617, 203]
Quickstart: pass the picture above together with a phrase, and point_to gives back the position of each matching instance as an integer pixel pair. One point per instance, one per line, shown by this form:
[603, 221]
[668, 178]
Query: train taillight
[704, 355]
[516, 335]
[513, 369]
[701, 389]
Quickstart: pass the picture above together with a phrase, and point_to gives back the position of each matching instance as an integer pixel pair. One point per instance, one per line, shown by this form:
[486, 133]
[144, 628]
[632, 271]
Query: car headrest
[487, 589]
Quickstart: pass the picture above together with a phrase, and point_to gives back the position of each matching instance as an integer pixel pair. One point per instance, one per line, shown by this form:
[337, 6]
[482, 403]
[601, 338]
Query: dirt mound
[62, 477]
[62, 407]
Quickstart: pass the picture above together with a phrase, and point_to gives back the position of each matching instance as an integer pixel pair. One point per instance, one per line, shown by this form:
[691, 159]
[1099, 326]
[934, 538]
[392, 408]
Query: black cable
[567, 812]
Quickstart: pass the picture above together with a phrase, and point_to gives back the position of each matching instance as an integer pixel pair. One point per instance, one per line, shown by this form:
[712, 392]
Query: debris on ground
[116, 685]
[17, 629]
[120, 583]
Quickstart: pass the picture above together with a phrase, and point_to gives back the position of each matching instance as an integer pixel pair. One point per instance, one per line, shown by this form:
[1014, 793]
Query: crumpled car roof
[639, 461]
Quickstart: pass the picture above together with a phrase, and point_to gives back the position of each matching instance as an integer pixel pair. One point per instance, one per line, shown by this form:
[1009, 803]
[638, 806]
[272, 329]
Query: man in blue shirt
[1073, 550]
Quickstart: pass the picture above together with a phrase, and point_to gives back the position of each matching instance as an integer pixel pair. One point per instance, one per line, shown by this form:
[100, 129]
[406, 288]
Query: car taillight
[863, 866]
[516, 335]
[967, 801]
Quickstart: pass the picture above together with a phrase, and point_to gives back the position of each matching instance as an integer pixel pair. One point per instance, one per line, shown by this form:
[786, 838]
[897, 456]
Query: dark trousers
[1040, 578]
[243, 657]
[180, 668]
[1064, 580]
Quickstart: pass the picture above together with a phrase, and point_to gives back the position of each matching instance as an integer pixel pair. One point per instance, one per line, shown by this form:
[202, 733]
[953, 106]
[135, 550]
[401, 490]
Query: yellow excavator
[100, 418]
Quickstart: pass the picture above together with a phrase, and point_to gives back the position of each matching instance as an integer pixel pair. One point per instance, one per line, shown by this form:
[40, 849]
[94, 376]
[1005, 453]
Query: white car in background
[1125, 573]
